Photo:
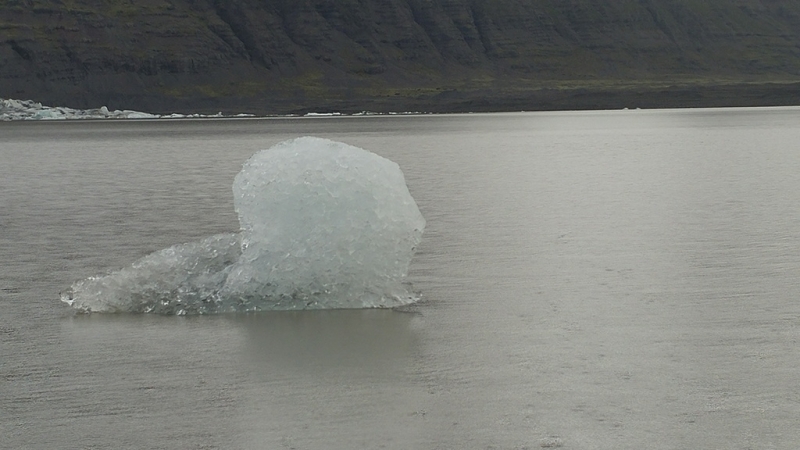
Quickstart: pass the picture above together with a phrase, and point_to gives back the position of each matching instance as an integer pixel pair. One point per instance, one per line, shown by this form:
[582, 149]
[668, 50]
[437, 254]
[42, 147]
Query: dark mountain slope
[292, 55]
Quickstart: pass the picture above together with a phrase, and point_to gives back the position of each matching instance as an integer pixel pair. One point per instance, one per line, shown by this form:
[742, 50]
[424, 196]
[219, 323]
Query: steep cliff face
[289, 55]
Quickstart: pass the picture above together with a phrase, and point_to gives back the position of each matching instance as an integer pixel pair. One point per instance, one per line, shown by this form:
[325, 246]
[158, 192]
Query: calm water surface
[591, 280]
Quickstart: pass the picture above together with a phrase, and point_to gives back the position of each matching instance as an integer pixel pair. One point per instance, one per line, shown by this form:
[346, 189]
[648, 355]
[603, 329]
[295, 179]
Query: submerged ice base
[322, 225]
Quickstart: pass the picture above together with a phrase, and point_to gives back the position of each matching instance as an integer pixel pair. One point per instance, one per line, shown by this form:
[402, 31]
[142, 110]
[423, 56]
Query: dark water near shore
[590, 280]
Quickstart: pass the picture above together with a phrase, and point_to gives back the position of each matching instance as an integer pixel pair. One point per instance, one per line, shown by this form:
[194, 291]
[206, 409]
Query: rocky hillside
[279, 56]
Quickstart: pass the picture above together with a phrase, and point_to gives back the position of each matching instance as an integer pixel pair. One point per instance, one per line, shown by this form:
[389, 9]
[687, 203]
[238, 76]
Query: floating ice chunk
[323, 225]
[177, 280]
[48, 114]
[128, 114]
[11, 109]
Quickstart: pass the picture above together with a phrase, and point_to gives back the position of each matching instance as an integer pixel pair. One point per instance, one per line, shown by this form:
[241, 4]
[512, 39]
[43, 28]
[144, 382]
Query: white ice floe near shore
[11, 109]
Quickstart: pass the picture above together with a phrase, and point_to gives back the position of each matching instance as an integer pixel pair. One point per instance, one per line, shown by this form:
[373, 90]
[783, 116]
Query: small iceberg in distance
[11, 109]
[323, 225]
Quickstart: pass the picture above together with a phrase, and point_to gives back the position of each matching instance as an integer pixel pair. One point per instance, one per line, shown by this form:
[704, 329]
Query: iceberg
[322, 225]
[11, 109]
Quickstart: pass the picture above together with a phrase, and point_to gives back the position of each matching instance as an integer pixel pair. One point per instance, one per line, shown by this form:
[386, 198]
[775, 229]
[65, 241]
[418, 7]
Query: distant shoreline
[577, 98]
[442, 100]
[447, 101]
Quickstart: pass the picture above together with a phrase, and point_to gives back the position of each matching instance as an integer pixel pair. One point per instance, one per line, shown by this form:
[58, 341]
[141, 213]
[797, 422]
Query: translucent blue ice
[323, 225]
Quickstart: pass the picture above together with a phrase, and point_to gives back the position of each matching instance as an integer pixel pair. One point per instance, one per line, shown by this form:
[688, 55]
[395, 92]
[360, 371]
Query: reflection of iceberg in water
[319, 344]
[323, 225]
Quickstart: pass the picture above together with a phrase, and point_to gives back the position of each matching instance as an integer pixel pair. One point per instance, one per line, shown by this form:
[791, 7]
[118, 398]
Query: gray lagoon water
[590, 280]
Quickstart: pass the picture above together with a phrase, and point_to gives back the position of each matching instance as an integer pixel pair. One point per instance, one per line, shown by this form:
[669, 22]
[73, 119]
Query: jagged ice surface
[323, 225]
